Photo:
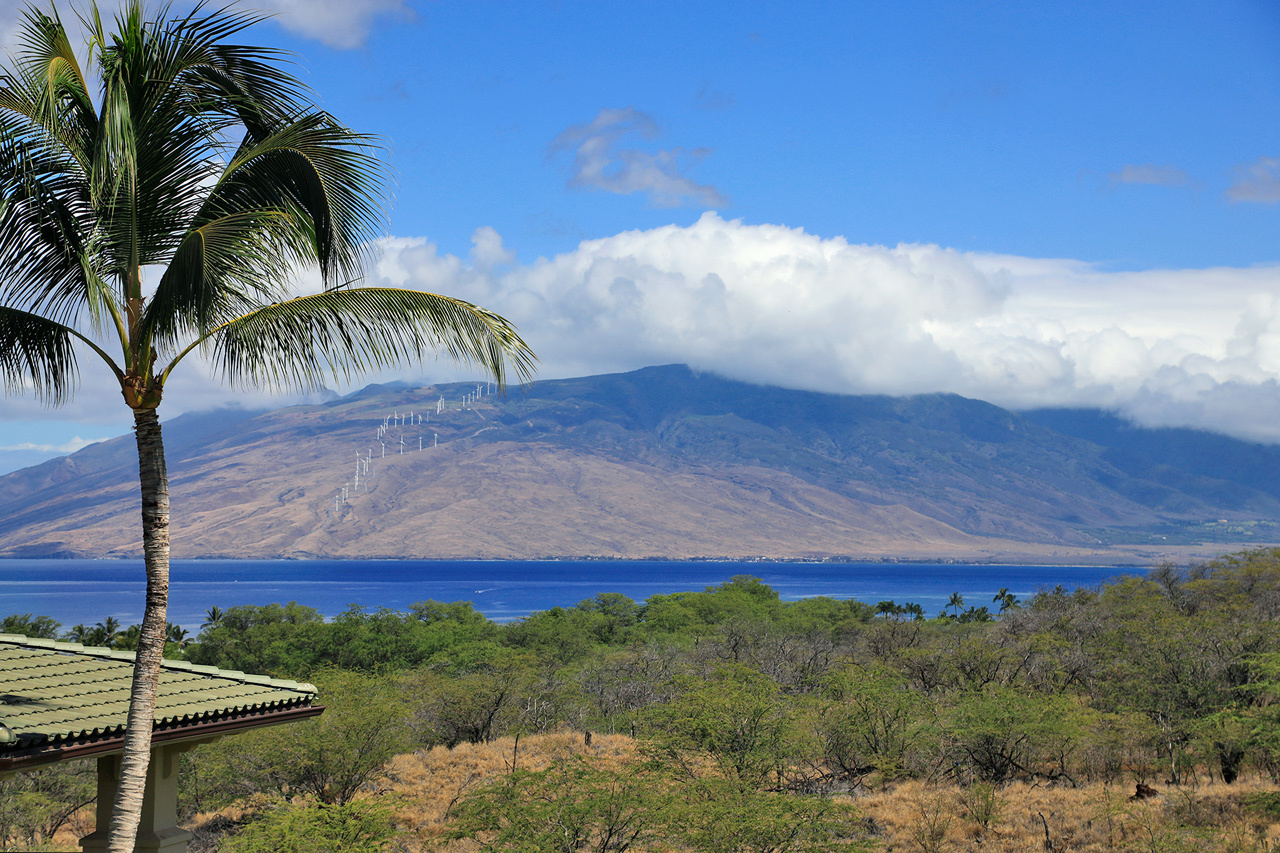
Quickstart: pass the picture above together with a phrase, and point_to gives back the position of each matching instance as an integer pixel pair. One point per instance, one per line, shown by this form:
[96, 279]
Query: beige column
[158, 832]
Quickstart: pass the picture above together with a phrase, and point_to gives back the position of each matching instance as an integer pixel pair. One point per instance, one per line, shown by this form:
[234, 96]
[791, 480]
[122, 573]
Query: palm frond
[147, 173]
[240, 81]
[47, 124]
[302, 194]
[36, 353]
[300, 343]
[170, 93]
[318, 168]
[45, 217]
[223, 268]
[54, 92]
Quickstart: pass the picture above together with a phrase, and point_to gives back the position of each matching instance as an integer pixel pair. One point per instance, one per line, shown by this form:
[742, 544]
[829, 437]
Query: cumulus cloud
[770, 304]
[1149, 173]
[338, 23]
[604, 158]
[1258, 182]
[777, 305]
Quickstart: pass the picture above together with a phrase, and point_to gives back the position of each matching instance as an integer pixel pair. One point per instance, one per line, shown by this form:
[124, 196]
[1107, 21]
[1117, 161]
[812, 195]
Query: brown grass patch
[906, 817]
[427, 783]
[1088, 819]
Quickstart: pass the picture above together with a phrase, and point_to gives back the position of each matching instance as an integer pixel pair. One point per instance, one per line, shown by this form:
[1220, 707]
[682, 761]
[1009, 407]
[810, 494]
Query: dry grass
[427, 783]
[1088, 819]
[912, 816]
[908, 817]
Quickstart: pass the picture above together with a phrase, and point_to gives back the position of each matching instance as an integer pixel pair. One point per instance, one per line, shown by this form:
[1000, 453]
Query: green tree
[737, 717]
[999, 733]
[43, 627]
[329, 757]
[204, 162]
[36, 804]
[361, 826]
[719, 816]
[872, 721]
[476, 703]
[578, 806]
[571, 806]
[286, 640]
[177, 634]
[109, 630]
[621, 684]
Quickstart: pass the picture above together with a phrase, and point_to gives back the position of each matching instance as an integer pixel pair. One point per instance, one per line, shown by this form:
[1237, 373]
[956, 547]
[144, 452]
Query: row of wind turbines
[397, 421]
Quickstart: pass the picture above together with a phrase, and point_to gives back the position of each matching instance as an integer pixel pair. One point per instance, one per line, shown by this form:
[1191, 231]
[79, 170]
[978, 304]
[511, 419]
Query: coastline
[1034, 555]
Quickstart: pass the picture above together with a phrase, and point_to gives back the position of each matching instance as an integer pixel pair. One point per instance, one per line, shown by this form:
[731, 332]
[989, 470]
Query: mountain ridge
[659, 462]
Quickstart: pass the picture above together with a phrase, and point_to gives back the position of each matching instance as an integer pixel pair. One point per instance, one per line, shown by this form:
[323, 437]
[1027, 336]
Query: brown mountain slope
[492, 501]
[656, 463]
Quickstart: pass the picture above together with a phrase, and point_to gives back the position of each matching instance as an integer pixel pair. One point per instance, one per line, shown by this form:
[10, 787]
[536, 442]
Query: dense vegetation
[752, 714]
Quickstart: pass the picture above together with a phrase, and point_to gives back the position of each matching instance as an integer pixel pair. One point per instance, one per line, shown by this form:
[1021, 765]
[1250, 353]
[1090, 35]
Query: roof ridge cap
[178, 665]
[61, 646]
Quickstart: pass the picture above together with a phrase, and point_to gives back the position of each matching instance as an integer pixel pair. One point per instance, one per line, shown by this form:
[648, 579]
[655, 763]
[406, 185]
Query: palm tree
[212, 618]
[177, 634]
[165, 209]
[1007, 599]
[108, 629]
[956, 602]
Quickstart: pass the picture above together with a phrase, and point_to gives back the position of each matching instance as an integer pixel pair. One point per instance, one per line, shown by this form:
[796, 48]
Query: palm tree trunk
[154, 481]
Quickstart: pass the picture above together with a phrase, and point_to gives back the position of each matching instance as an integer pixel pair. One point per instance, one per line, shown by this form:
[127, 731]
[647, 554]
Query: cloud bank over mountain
[777, 305]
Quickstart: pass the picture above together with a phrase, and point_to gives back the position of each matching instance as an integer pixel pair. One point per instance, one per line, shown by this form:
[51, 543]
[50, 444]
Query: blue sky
[984, 127]
[1035, 204]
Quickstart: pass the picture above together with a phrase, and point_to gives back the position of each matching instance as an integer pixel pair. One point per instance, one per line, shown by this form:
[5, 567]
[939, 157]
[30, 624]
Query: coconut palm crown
[164, 205]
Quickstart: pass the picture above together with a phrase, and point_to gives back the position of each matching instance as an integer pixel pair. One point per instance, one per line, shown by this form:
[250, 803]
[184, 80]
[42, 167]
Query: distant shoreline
[1120, 557]
[73, 591]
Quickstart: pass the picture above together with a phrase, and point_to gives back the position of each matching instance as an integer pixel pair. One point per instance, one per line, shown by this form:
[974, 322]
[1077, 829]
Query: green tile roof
[53, 692]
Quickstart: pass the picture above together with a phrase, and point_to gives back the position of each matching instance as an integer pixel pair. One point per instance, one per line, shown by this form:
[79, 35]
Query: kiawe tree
[162, 207]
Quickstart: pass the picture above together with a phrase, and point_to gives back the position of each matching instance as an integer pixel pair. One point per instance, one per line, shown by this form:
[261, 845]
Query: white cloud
[71, 446]
[771, 304]
[487, 250]
[1257, 182]
[337, 23]
[1149, 173]
[602, 162]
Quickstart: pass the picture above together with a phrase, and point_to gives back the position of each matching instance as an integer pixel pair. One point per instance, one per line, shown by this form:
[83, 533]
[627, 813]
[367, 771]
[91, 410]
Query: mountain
[660, 462]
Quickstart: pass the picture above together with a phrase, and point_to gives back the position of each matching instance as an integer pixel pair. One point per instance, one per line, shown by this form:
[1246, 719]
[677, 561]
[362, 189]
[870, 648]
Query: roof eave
[165, 734]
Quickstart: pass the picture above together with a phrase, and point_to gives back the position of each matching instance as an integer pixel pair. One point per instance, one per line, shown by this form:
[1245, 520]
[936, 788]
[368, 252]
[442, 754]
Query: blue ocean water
[87, 591]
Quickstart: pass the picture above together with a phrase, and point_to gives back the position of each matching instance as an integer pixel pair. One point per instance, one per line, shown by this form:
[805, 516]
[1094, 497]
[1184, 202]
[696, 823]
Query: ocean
[88, 591]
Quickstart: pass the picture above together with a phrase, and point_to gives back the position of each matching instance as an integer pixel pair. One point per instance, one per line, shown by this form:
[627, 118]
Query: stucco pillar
[158, 832]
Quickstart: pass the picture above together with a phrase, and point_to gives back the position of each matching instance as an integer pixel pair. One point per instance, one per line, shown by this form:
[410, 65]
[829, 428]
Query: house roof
[61, 700]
